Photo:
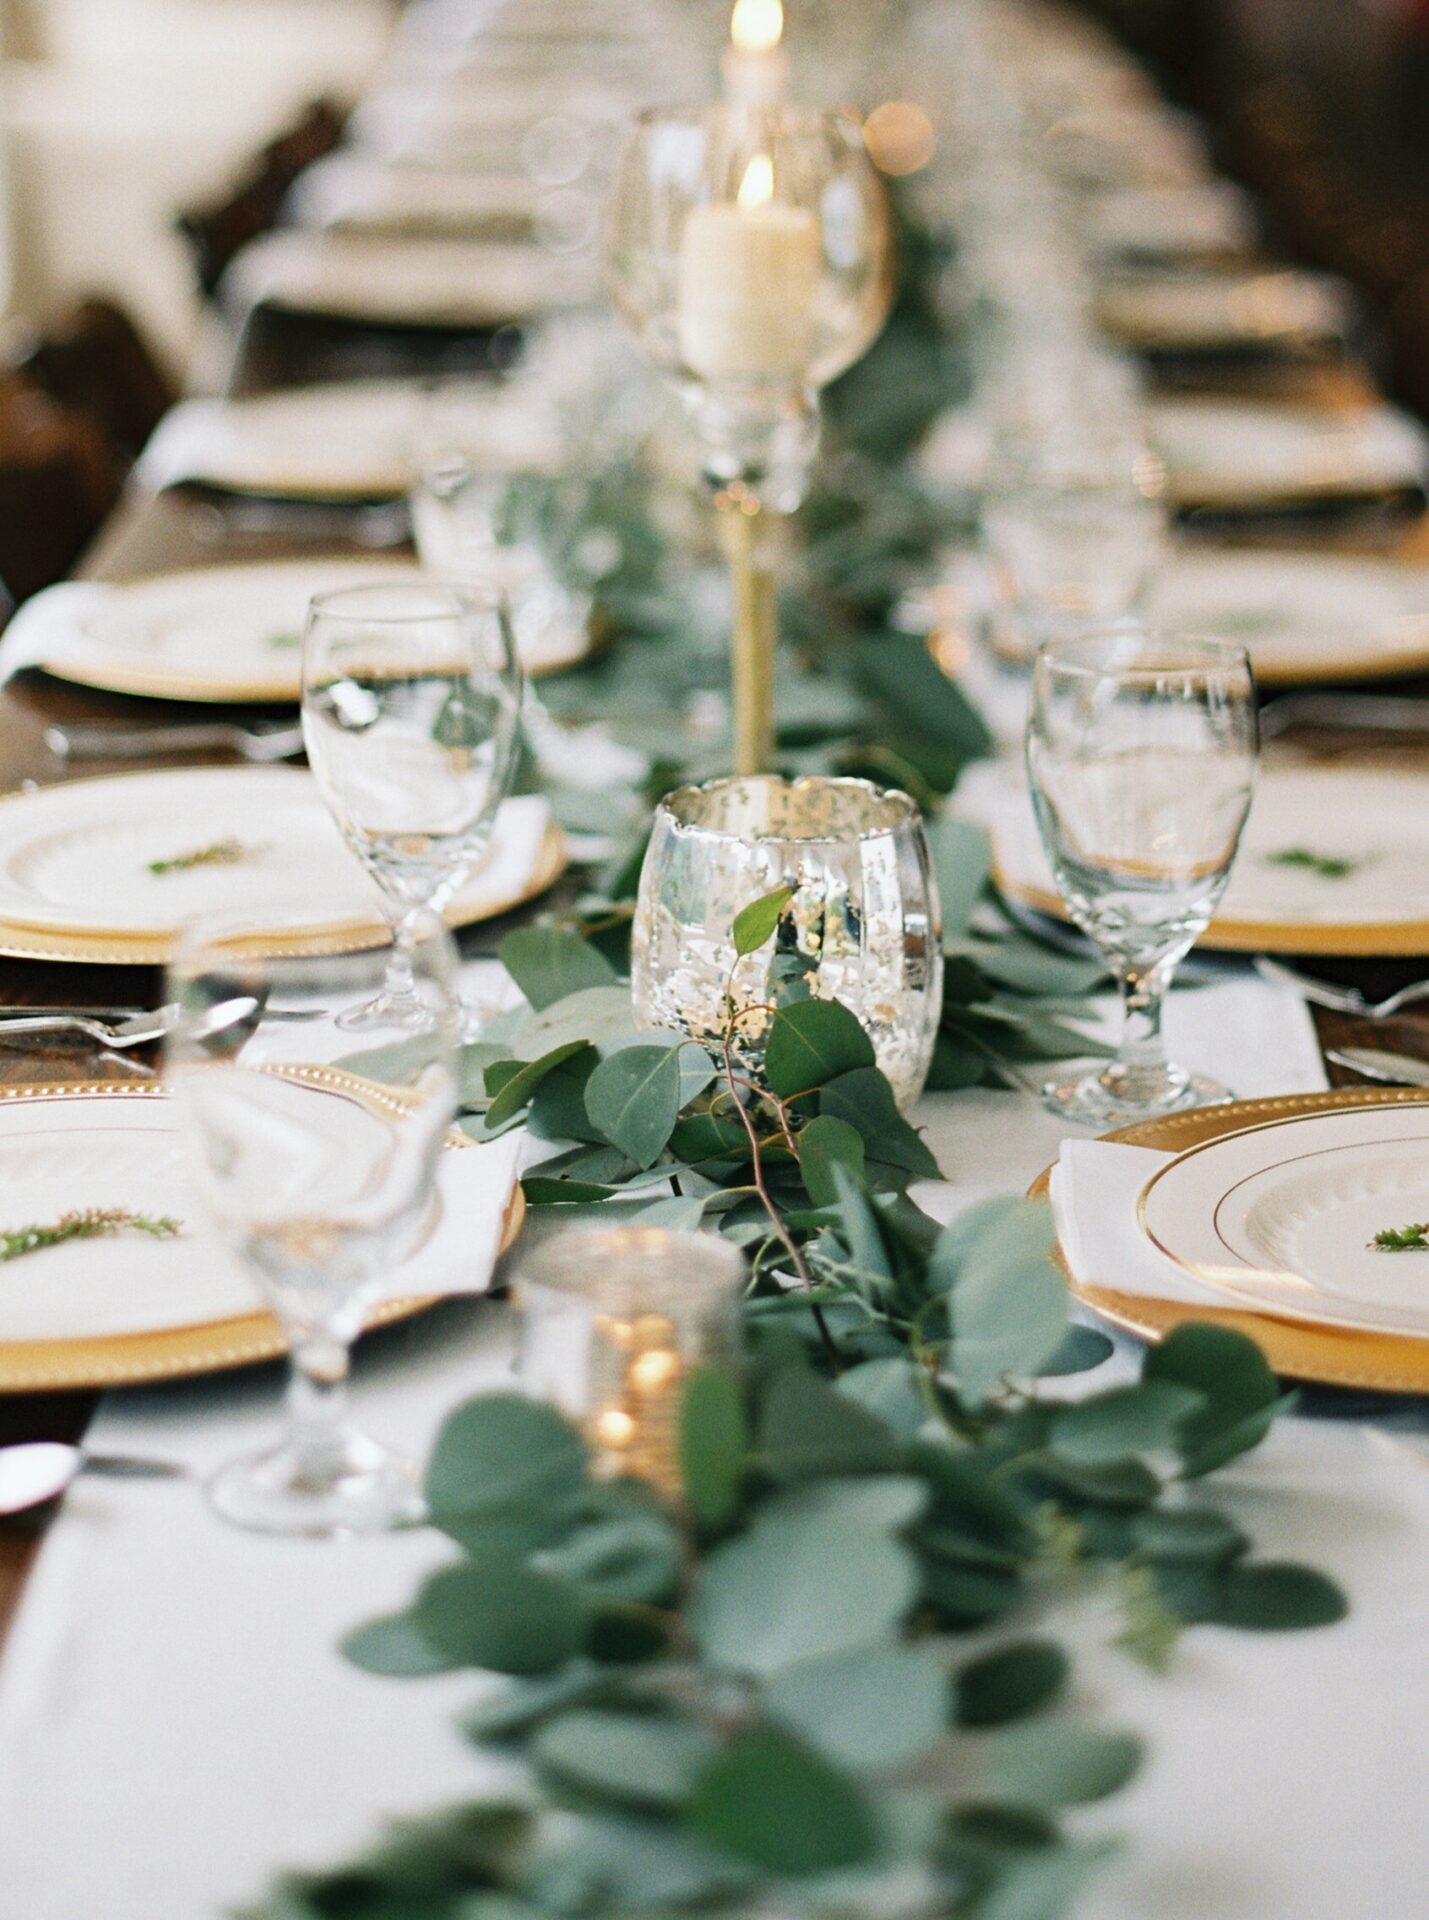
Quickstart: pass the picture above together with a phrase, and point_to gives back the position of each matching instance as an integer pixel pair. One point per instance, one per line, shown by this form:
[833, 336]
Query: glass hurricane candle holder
[750, 251]
[614, 1321]
[862, 925]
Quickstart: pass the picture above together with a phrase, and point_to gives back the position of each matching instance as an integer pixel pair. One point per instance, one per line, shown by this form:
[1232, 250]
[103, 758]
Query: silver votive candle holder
[862, 925]
[614, 1321]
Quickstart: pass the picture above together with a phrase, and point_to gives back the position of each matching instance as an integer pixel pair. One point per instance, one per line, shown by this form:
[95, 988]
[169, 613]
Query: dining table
[192, 1670]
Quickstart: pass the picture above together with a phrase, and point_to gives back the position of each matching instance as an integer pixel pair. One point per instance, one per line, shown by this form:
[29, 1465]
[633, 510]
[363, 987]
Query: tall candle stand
[750, 252]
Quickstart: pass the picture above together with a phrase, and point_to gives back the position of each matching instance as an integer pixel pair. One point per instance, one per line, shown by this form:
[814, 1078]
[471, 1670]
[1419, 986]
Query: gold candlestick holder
[755, 634]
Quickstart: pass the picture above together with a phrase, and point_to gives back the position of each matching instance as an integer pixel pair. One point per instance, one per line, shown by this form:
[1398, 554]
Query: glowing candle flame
[756, 189]
[756, 25]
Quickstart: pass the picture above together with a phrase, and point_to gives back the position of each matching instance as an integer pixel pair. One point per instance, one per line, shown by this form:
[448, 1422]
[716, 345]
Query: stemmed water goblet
[1141, 754]
[411, 716]
[322, 1182]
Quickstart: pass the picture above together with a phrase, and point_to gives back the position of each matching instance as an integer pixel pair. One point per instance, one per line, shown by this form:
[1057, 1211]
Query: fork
[114, 1036]
[1341, 999]
[262, 745]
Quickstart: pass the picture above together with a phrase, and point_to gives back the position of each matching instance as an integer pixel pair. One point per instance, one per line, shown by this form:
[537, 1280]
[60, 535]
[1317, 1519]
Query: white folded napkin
[51, 626]
[475, 1186]
[1095, 1185]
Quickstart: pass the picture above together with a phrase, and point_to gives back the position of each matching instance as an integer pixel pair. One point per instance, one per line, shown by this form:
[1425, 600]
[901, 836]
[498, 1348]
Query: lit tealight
[615, 1428]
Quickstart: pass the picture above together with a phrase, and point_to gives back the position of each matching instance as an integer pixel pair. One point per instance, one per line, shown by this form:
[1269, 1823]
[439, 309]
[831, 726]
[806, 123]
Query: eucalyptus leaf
[807, 1429]
[633, 1098]
[1240, 1392]
[1010, 1682]
[961, 862]
[396, 1648]
[865, 1100]
[1057, 1764]
[505, 1470]
[1274, 1597]
[645, 1760]
[868, 1710]
[518, 1706]
[1007, 1303]
[1195, 1534]
[754, 924]
[513, 1090]
[1118, 1425]
[714, 1446]
[822, 1143]
[490, 1611]
[888, 1388]
[549, 963]
[770, 1800]
[811, 1043]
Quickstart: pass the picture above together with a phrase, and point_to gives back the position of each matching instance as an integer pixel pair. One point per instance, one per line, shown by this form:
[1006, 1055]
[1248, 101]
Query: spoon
[34, 1471]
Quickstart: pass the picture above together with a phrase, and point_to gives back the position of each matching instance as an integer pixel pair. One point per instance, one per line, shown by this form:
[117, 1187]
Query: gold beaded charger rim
[156, 950]
[1330, 1356]
[1364, 940]
[176, 1353]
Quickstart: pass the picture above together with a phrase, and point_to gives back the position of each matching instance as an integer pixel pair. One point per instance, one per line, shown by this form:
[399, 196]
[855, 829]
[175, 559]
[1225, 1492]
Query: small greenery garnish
[1326, 866]
[92, 1223]
[1411, 1239]
[220, 853]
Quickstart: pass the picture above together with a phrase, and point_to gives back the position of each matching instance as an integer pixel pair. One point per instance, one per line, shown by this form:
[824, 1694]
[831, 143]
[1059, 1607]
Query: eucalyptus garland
[807, 1682]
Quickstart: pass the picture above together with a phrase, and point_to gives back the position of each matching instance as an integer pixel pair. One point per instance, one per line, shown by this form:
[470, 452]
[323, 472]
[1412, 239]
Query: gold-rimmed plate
[78, 1136]
[1334, 860]
[1298, 1349]
[78, 878]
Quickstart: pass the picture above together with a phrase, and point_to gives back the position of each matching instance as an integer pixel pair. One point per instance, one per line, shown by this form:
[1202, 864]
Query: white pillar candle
[755, 66]
[748, 283]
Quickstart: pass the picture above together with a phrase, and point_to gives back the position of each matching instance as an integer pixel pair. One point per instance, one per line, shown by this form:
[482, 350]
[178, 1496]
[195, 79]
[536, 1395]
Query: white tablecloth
[175, 1723]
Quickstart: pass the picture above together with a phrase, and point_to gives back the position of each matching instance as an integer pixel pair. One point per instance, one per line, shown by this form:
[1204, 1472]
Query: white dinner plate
[1169, 223]
[1246, 454]
[1334, 860]
[1184, 311]
[77, 861]
[349, 440]
[1301, 615]
[354, 193]
[235, 633]
[404, 282]
[1282, 1217]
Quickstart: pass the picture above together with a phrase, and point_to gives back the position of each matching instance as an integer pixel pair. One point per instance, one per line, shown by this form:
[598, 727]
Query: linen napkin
[1095, 1185]
[50, 627]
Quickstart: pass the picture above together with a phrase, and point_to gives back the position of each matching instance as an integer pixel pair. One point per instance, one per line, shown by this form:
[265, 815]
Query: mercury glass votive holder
[862, 925]
[615, 1319]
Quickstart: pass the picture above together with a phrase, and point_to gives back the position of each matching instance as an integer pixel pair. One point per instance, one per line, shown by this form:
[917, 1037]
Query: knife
[1375, 1063]
[56, 1013]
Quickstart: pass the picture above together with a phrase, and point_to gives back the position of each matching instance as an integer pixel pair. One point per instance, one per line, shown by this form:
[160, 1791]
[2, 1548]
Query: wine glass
[1141, 752]
[322, 1182]
[411, 715]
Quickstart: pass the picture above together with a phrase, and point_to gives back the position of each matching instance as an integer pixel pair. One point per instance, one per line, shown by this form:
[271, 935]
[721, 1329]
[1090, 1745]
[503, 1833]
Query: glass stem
[317, 1402]
[401, 981]
[1140, 1070]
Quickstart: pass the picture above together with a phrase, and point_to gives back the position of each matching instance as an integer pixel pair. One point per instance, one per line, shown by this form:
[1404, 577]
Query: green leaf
[714, 1447]
[505, 1470]
[1125, 1422]
[801, 1584]
[822, 1143]
[548, 963]
[807, 1429]
[601, 1016]
[396, 1648]
[513, 1090]
[1010, 1682]
[644, 1760]
[558, 1104]
[541, 1192]
[767, 1799]
[1044, 1884]
[1196, 1534]
[868, 1710]
[1275, 1597]
[889, 1389]
[1006, 1304]
[1057, 1764]
[865, 1100]
[490, 1611]
[633, 1098]
[628, 1555]
[1241, 1393]
[811, 1043]
[755, 923]
[1080, 1349]
[522, 1704]
[961, 861]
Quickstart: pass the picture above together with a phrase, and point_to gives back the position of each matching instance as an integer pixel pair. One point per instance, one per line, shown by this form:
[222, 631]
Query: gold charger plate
[1332, 1356]
[156, 949]
[134, 1359]
[1361, 939]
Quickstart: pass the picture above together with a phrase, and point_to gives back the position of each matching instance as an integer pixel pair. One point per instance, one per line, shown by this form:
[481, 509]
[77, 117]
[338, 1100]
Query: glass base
[388, 1011]
[357, 1487]
[1106, 1098]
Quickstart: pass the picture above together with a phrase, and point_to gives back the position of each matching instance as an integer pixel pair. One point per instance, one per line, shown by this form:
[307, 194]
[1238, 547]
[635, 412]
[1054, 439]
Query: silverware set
[263, 746]
[1322, 993]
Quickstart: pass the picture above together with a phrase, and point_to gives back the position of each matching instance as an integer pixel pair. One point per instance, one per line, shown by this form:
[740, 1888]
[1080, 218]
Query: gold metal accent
[130, 1359]
[1335, 1356]
[755, 632]
[156, 949]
